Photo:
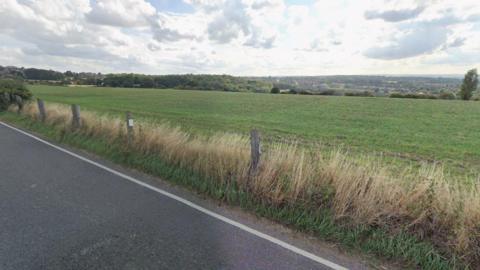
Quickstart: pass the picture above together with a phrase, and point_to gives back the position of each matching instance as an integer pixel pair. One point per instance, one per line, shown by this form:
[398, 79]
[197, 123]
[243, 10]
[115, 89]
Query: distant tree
[275, 90]
[187, 81]
[43, 74]
[469, 85]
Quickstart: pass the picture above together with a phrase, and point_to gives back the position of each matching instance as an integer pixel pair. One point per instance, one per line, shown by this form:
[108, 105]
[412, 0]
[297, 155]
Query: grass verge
[326, 211]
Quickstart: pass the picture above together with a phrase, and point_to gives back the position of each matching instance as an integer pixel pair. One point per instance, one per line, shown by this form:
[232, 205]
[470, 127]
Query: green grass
[399, 247]
[439, 130]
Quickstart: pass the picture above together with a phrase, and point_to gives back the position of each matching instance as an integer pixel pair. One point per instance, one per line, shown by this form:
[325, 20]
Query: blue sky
[172, 6]
[243, 37]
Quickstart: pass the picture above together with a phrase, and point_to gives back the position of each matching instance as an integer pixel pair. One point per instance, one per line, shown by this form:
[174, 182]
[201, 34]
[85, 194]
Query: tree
[469, 85]
[275, 90]
[42, 74]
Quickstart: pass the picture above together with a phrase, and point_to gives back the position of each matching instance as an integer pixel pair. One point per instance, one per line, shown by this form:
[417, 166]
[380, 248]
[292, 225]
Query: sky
[242, 37]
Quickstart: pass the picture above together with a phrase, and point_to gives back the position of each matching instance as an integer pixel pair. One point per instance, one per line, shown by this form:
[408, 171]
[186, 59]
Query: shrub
[413, 95]
[396, 95]
[9, 89]
[446, 95]
[305, 92]
[275, 90]
[328, 93]
[359, 94]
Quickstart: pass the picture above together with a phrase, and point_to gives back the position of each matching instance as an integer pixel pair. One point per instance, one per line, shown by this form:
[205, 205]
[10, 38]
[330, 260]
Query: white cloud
[394, 15]
[126, 13]
[417, 42]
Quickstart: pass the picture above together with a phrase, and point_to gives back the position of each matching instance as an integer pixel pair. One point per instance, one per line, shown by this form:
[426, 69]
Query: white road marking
[191, 204]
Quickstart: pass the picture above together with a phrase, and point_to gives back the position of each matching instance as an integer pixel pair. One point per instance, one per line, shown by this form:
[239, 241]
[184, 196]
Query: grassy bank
[419, 216]
[412, 130]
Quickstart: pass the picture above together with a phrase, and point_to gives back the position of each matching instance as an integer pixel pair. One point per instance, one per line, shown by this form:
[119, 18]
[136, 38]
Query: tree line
[187, 81]
[401, 87]
[184, 81]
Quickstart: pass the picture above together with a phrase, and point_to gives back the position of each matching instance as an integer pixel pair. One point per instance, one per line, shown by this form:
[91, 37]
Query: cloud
[260, 4]
[165, 28]
[417, 42]
[394, 15]
[458, 42]
[39, 31]
[232, 21]
[139, 13]
[262, 42]
[461, 58]
[126, 13]
[238, 20]
[424, 36]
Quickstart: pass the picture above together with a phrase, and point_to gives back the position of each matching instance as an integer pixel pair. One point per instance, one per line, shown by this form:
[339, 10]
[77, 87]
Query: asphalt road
[60, 212]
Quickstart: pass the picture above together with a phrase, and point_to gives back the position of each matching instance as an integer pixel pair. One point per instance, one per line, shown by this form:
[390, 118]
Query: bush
[304, 92]
[275, 90]
[9, 89]
[328, 93]
[359, 94]
[413, 95]
[446, 95]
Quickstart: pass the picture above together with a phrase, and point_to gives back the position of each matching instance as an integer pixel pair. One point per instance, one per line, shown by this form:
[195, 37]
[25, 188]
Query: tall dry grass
[426, 202]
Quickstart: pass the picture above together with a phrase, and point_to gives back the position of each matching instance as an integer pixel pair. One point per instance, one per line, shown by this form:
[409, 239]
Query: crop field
[429, 130]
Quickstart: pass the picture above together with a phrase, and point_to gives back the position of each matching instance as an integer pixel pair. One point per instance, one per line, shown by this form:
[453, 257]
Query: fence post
[7, 98]
[129, 128]
[75, 116]
[19, 101]
[41, 110]
[255, 152]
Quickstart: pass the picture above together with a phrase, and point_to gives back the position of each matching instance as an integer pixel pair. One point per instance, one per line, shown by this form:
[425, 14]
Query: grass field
[433, 130]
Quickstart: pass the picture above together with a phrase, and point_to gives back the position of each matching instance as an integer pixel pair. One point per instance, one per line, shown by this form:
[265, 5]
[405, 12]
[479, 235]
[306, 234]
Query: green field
[429, 130]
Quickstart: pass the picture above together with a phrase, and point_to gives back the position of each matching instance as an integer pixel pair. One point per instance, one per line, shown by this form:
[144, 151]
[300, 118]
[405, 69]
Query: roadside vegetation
[12, 92]
[421, 216]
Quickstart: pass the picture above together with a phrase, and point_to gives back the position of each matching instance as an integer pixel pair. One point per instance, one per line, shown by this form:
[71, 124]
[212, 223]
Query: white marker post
[129, 128]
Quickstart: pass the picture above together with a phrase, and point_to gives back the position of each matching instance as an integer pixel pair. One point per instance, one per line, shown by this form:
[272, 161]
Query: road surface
[61, 211]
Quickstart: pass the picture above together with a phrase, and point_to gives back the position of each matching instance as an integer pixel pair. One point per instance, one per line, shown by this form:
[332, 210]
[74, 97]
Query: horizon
[447, 76]
[243, 37]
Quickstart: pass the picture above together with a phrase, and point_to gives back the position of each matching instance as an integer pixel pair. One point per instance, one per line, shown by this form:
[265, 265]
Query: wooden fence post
[75, 116]
[255, 152]
[41, 110]
[129, 128]
[7, 98]
[19, 101]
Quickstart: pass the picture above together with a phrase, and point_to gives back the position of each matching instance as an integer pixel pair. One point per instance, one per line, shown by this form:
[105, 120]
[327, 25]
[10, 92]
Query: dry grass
[361, 191]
